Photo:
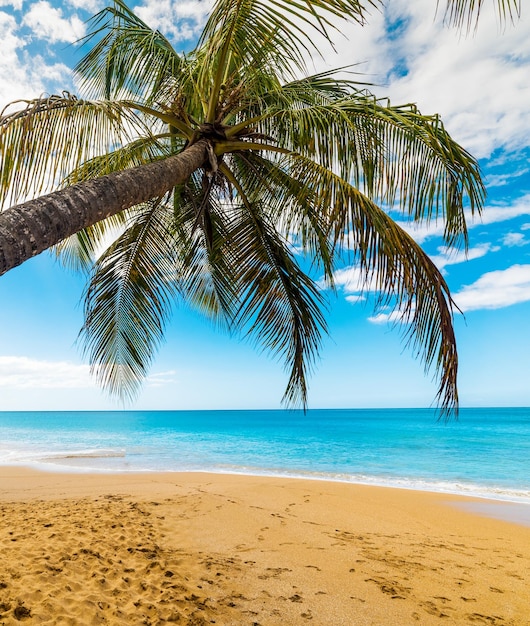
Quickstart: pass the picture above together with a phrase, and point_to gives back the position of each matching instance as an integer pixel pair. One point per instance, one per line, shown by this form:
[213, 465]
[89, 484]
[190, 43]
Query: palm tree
[231, 178]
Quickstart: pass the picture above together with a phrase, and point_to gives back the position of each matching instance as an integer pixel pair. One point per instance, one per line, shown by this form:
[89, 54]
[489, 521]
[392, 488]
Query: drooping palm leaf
[145, 149]
[128, 301]
[398, 156]
[208, 266]
[80, 251]
[281, 306]
[290, 205]
[395, 266]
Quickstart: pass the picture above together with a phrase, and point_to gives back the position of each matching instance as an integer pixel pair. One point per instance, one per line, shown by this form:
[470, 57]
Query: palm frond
[243, 34]
[286, 26]
[128, 301]
[281, 306]
[401, 273]
[264, 95]
[208, 267]
[128, 59]
[80, 251]
[290, 205]
[396, 155]
[43, 140]
[145, 149]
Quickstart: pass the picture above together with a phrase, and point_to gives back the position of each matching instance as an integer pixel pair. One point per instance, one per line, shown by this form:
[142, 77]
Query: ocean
[485, 453]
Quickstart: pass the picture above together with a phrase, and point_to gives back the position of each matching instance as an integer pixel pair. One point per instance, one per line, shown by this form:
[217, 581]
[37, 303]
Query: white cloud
[491, 214]
[355, 287]
[16, 4]
[496, 290]
[92, 6]
[447, 256]
[501, 213]
[48, 23]
[160, 379]
[180, 21]
[21, 77]
[355, 284]
[353, 280]
[18, 372]
[514, 239]
[355, 298]
[493, 290]
[501, 180]
[477, 82]
[386, 318]
[364, 47]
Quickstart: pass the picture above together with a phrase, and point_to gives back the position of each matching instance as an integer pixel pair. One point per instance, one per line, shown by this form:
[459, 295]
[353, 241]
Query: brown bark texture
[30, 228]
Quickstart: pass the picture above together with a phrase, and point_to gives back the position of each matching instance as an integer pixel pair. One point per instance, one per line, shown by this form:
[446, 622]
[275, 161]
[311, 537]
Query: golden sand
[197, 549]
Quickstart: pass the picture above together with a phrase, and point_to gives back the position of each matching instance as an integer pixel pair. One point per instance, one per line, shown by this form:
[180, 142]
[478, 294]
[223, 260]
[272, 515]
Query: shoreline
[202, 548]
[382, 448]
[516, 508]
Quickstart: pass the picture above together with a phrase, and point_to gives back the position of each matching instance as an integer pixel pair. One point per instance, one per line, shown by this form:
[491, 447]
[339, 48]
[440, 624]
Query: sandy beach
[196, 549]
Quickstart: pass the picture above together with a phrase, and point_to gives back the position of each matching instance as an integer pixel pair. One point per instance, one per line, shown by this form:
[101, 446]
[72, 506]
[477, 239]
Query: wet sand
[197, 549]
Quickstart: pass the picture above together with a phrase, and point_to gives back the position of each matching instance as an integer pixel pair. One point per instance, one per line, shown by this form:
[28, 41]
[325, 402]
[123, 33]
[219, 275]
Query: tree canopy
[290, 173]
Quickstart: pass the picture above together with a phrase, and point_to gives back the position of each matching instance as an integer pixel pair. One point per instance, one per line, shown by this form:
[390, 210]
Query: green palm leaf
[280, 305]
[286, 27]
[290, 205]
[395, 266]
[42, 143]
[207, 263]
[243, 34]
[80, 251]
[145, 149]
[128, 300]
[128, 58]
[395, 154]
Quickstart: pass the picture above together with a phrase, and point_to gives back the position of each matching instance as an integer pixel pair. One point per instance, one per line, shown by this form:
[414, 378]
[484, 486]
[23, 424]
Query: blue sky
[478, 83]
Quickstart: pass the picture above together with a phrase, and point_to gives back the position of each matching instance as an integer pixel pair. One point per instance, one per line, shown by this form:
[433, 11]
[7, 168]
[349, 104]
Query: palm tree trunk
[30, 228]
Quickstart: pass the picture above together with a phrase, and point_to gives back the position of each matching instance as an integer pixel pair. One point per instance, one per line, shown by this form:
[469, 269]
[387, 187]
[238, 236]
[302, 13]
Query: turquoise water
[485, 453]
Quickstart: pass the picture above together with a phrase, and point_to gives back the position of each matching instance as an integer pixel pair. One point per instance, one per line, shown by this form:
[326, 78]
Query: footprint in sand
[433, 609]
